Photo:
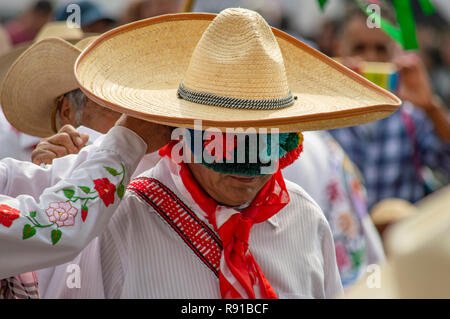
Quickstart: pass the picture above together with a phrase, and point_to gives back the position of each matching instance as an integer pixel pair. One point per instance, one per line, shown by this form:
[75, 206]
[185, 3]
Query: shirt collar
[274, 221]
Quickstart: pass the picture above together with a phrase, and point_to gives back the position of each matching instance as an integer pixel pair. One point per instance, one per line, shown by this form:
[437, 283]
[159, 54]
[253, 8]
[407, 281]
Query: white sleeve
[18, 177]
[54, 229]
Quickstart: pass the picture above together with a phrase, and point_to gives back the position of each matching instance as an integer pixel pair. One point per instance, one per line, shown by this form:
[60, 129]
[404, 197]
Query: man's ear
[66, 113]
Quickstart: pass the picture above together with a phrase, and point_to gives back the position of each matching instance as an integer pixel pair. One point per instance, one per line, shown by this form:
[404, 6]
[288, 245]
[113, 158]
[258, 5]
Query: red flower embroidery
[84, 212]
[7, 215]
[105, 190]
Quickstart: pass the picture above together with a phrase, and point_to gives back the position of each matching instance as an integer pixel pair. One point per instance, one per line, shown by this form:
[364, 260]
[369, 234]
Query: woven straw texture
[137, 68]
[40, 75]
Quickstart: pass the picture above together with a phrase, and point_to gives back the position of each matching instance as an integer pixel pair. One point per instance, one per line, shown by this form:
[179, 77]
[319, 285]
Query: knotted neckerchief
[239, 275]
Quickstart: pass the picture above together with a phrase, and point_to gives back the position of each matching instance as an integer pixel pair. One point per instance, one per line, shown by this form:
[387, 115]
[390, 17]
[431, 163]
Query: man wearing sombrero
[203, 224]
[52, 97]
[45, 55]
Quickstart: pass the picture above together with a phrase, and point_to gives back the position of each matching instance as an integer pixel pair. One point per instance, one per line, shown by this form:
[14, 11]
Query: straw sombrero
[419, 255]
[228, 70]
[41, 74]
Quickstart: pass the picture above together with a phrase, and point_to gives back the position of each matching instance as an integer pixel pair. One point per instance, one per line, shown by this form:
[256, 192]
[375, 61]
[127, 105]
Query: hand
[67, 141]
[414, 84]
[155, 135]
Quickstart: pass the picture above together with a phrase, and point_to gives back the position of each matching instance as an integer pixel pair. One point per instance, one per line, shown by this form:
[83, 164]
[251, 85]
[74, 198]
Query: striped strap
[194, 232]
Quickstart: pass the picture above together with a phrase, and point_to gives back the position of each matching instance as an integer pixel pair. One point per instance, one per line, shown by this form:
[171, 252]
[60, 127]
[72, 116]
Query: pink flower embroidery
[63, 214]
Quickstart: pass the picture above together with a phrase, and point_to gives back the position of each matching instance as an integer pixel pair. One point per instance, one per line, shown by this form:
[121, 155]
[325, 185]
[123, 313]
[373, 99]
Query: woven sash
[194, 232]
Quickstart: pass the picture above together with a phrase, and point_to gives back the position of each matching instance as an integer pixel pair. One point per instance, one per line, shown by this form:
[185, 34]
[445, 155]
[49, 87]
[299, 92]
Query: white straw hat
[229, 70]
[34, 81]
[419, 255]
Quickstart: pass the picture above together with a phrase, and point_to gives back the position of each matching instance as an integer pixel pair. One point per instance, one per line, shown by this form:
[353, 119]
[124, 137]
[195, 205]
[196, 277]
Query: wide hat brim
[43, 72]
[136, 69]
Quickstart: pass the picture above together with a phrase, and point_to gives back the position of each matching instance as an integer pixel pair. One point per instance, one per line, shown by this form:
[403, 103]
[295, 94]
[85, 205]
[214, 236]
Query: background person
[93, 19]
[36, 110]
[392, 152]
[16, 143]
[25, 27]
[54, 228]
[326, 173]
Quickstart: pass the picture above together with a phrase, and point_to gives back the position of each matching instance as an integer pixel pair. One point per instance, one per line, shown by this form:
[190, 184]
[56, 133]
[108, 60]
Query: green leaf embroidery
[85, 189]
[112, 171]
[28, 231]
[56, 236]
[69, 193]
[121, 191]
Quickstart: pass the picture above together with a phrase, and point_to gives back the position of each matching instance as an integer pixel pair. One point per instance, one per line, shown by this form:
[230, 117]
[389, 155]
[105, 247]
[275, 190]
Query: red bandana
[240, 275]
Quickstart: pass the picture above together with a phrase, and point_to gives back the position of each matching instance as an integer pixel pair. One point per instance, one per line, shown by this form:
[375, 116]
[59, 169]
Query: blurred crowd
[302, 19]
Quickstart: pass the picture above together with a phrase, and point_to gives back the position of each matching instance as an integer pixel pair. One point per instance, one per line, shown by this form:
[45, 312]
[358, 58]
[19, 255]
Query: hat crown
[238, 56]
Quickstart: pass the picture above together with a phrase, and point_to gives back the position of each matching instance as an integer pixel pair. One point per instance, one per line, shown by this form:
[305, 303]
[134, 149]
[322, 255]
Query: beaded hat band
[224, 101]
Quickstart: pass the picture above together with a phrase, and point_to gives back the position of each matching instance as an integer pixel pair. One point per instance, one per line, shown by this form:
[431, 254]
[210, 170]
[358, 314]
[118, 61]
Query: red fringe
[291, 156]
